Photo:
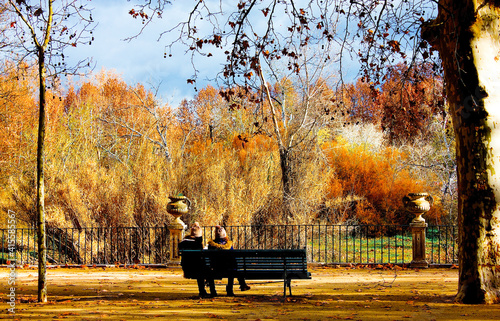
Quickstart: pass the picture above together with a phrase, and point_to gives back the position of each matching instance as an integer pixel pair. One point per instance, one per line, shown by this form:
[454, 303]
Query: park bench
[255, 264]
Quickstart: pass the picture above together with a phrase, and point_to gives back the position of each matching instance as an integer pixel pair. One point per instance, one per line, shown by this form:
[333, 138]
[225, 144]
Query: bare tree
[156, 133]
[42, 31]
[296, 120]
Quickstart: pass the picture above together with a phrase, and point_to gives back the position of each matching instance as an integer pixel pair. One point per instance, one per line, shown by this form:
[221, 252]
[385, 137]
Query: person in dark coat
[194, 267]
[221, 242]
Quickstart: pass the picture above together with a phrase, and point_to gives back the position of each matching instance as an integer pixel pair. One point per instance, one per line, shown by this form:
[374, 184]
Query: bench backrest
[255, 264]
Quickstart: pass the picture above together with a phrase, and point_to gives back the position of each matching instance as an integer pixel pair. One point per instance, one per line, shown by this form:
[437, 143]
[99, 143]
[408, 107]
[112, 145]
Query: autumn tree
[122, 133]
[42, 32]
[16, 112]
[208, 115]
[410, 99]
[361, 102]
[404, 104]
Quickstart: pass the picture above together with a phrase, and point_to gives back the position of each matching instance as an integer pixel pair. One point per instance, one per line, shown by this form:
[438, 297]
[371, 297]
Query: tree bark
[286, 182]
[466, 34]
[42, 249]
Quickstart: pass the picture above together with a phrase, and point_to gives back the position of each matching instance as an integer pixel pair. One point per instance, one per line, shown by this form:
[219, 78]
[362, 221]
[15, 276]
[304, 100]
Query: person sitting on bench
[221, 242]
[195, 267]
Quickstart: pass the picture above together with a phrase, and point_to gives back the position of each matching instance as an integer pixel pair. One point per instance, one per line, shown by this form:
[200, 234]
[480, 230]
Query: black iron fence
[92, 245]
[330, 244]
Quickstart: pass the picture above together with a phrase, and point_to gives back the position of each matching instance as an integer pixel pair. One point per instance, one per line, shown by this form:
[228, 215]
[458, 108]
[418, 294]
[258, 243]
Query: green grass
[363, 250]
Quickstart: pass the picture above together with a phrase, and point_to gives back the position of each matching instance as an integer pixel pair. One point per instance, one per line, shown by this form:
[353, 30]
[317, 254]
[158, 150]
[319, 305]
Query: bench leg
[287, 283]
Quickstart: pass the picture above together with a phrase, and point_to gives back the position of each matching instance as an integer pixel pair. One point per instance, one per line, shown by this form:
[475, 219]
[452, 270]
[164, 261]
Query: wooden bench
[255, 264]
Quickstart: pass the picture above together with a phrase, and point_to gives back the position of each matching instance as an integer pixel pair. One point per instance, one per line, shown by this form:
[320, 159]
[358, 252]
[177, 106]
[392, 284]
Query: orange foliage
[249, 148]
[259, 142]
[410, 100]
[362, 103]
[375, 180]
[18, 120]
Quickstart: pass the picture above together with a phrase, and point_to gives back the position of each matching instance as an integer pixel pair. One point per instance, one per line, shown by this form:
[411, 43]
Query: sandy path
[333, 293]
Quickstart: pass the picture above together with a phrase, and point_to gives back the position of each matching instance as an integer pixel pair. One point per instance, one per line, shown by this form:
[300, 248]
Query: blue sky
[140, 60]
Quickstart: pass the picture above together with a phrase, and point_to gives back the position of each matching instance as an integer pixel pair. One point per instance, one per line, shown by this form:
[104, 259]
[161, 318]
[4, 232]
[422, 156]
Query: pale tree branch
[271, 106]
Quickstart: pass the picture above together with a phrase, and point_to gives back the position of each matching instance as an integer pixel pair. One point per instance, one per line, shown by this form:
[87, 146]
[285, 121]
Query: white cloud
[140, 60]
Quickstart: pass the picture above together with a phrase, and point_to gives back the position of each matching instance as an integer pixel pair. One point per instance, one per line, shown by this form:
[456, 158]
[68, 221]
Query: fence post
[418, 204]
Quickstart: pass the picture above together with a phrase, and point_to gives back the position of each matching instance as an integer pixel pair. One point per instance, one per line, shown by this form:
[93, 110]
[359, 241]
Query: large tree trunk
[467, 36]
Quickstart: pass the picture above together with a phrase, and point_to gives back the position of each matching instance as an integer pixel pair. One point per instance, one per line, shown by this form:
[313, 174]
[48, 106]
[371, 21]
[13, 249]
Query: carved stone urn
[177, 206]
[418, 204]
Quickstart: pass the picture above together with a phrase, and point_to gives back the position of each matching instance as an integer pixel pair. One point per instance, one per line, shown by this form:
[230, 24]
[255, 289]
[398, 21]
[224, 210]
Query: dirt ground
[331, 294]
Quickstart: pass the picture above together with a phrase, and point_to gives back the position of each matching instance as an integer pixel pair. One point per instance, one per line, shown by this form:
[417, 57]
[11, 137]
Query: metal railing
[329, 244]
[92, 245]
[344, 244]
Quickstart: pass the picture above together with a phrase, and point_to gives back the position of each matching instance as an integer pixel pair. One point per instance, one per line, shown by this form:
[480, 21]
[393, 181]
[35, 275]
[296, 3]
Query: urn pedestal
[418, 245]
[418, 204]
[177, 206]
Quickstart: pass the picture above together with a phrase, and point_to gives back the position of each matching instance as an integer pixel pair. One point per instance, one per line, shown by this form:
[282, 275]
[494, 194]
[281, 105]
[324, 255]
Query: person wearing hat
[222, 242]
[194, 267]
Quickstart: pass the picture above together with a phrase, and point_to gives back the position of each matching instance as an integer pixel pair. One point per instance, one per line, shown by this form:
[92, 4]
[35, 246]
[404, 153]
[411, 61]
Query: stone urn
[418, 204]
[177, 206]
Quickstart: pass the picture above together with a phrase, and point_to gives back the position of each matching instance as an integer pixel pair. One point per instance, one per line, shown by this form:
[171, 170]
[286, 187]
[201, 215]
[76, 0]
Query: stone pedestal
[418, 241]
[176, 236]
